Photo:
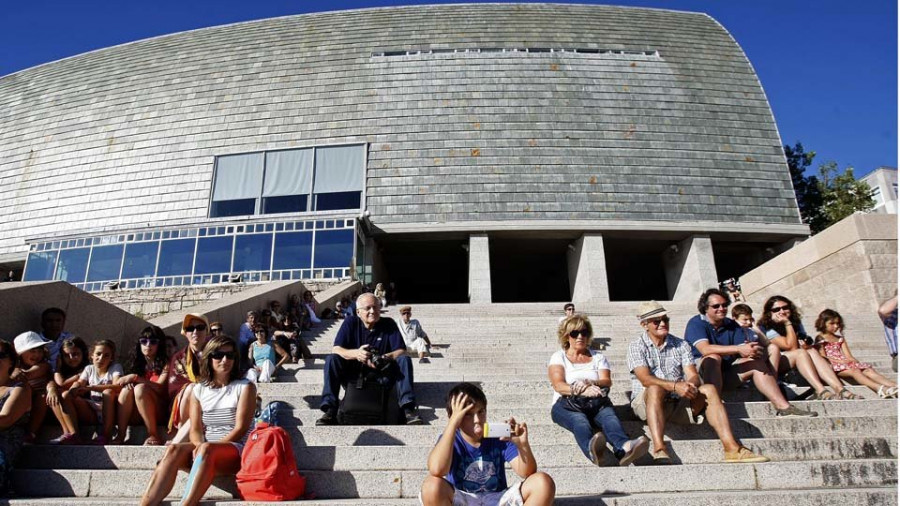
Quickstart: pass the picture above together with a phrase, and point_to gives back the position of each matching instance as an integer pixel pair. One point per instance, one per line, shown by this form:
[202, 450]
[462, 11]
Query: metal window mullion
[362, 199]
[122, 261]
[310, 204]
[262, 184]
[87, 268]
[233, 247]
[156, 264]
[194, 263]
[272, 255]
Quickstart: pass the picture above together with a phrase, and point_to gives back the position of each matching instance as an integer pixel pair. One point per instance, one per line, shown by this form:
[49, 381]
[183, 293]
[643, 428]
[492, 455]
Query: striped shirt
[219, 406]
[666, 363]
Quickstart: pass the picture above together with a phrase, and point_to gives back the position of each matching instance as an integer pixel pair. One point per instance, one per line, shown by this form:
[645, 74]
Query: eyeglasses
[149, 342]
[406, 313]
[719, 306]
[222, 355]
[576, 333]
[657, 321]
[780, 309]
[199, 328]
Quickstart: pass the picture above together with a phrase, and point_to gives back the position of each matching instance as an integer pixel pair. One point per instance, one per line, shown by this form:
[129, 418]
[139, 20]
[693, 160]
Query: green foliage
[806, 188]
[842, 194]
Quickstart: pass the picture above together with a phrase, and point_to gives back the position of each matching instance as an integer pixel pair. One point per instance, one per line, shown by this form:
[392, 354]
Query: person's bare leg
[213, 458]
[147, 402]
[163, 478]
[711, 370]
[654, 397]
[759, 371]
[774, 354]
[125, 405]
[184, 429]
[38, 412]
[876, 376]
[860, 378]
[717, 417]
[538, 490]
[804, 364]
[436, 492]
[109, 413]
[826, 372]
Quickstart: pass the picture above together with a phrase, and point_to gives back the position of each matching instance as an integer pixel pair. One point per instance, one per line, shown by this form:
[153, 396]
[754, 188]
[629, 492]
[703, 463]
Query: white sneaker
[634, 449]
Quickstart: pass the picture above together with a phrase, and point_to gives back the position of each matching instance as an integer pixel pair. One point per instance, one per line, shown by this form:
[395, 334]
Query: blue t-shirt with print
[481, 469]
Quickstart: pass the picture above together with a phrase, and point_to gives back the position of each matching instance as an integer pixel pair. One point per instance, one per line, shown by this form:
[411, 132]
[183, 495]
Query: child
[743, 315]
[262, 357]
[832, 345]
[73, 358]
[145, 387]
[33, 367]
[97, 379]
[465, 467]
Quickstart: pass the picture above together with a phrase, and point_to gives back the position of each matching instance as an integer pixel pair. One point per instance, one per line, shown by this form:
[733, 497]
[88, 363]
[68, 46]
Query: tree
[842, 194]
[806, 188]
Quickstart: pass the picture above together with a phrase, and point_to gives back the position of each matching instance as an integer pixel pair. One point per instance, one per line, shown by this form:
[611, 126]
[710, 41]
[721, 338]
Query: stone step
[349, 458]
[826, 474]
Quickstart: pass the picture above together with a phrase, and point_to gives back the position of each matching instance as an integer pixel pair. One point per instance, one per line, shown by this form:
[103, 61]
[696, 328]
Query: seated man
[413, 335]
[358, 338]
[724, 355]
[665, 386]
[568, 310]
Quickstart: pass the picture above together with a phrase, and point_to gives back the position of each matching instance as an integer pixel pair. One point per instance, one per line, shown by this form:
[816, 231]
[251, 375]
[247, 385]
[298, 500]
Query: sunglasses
[149, 342]
[657, 321]
[780, 309]
[583, 333]
[719, 306]
[222, 355]
[217, 329]
[198, 328]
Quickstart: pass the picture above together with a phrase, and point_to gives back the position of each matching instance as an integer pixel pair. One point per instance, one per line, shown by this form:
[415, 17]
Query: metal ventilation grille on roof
[543, 50]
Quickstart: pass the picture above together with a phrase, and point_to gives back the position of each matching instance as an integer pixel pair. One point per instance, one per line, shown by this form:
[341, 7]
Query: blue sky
[829, 67]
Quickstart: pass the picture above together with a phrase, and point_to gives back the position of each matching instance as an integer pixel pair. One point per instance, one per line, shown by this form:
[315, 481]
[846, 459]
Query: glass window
[286, 204]
[106, 261]
[40, 266]
[876, 194]
[140, 260]
[252, 252]
[232, 208]
[336, 201]
[293, 250]
[72, 265]
[213, 255]
[334, 248]
[176, 257]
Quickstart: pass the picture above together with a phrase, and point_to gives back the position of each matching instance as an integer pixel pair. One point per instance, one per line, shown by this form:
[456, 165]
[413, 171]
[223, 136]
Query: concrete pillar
[587, 269]
[690, 268]
[479, 269]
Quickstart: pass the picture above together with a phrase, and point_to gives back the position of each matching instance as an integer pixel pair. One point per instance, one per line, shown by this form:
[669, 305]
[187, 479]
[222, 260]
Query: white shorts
[509, 497]
[418, 346]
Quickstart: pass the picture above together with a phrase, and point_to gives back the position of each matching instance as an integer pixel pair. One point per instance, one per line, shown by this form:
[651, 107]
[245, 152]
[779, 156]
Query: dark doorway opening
[734, 259]
[426, 271]
[635, 269]
[532, 270]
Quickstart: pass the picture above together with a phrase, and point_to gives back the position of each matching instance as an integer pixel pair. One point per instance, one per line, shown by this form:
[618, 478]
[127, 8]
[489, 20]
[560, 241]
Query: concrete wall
[587, 270]
[125, 138]
[690, 268]
[86, 316]
[850, 267]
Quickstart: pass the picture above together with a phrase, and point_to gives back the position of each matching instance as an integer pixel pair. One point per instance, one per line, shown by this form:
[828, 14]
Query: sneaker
[597, 447]
[412, 416]
[328, 418]
[793, 412]
[633, 450]
[65, 439]
[744, 455]
[661, 458]
[424, 360]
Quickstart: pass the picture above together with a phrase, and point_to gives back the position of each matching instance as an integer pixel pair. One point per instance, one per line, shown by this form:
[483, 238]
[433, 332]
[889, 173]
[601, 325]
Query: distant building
[883, 182]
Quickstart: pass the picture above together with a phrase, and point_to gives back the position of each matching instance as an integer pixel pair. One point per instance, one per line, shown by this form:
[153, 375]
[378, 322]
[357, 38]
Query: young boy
[465, 468]
[743, 315]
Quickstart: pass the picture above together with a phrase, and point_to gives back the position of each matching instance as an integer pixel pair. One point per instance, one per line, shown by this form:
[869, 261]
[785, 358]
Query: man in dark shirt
[724, 355]
[360, 337]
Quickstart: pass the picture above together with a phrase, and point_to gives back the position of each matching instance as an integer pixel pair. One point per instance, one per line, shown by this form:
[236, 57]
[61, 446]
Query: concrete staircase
[848, 455]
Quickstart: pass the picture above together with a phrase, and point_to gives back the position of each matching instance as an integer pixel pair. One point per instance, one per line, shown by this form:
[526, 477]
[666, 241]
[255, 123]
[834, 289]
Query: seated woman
[581, 379]
[73, 358]
[144, 387]
[264, 357]
[15, 406]
[310, 303]
[780, 322]
[225, 404]
[183, 371]
[831, 344]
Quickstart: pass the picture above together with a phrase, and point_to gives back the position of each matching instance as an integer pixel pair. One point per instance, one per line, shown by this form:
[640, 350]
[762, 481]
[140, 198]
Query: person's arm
[887, 309]
[17, 404]
[196, 432]
[557, 375]
[524, 465]
[420, 332]
[682, 388]
[41, 370]
[743, 350]
[846, 349]
[441, 457]
[361, 354]
[244, 416]
[284, 356]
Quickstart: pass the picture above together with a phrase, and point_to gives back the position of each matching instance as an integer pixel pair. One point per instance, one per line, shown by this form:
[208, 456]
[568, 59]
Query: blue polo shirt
[729, 334]
[383, 338]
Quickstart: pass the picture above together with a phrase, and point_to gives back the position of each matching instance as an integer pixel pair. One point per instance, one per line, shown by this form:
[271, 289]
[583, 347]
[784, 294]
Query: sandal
[847, 395]
[824, 395]
[152, 441]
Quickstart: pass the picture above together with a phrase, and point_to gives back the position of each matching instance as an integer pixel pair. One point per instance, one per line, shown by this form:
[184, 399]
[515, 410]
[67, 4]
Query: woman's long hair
[766, 319]
[138, 362]
[206, 370]
[65, 369]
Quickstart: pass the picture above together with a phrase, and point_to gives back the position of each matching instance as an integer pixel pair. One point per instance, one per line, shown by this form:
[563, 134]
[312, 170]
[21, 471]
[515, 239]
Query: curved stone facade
[651, 118]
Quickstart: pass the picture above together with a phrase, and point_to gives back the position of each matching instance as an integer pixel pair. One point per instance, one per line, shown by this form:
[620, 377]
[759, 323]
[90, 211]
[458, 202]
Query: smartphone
[496, 429]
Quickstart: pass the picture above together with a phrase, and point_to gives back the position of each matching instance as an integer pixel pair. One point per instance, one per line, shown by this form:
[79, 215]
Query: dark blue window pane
[40, 266]
[252, 252]
[340, 200]
[232, 208]
[105, 263]
[293, 250]
[176, 257]
[333, 248]
[286, 204]
[140, 260]
[213, 255]
[72, 265]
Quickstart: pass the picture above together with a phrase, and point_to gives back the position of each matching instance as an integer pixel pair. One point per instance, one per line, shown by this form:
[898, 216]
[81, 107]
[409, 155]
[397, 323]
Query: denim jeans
[584, 428]
[339, 372]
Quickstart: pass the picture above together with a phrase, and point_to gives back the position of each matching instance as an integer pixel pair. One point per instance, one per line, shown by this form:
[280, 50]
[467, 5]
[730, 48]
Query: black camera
[380, 361]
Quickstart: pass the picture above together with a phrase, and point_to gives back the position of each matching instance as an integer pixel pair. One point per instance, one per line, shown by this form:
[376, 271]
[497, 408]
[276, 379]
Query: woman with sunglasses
[781, 324]
[184, 370]
[223, 406]
[144, 387]
[15, 407]
[581, 380]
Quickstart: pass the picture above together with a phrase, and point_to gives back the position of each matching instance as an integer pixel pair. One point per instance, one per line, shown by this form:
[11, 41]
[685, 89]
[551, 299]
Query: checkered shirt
[667, 363]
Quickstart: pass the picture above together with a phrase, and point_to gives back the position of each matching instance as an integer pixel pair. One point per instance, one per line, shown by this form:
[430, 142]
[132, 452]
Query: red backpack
[268, 467]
